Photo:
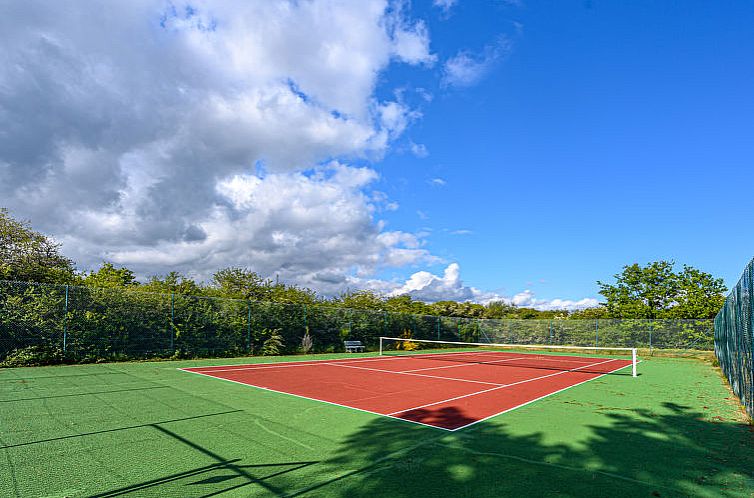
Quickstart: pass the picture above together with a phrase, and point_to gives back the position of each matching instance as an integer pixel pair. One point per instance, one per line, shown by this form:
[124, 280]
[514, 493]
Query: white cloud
[410, 39]
[175, 136]
[444, 5]
[468, 68]
[425, 286]
[527, 299]
[419, 150]
[437, 182]
[307, 229]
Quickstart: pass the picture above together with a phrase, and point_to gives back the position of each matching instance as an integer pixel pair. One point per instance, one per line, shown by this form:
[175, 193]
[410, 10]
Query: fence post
[172, 321]
[248, 326]
[438, 328]
[651, 324]
[65, 321]
[384, 325]
[596, 332]
[550, 331]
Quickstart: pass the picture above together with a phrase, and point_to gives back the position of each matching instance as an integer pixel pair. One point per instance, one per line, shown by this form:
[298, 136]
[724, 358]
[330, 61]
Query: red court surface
[448, 391]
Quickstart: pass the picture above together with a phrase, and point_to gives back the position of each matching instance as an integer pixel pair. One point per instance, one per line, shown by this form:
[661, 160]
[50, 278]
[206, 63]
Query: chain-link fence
[734, 338]
[88, 324]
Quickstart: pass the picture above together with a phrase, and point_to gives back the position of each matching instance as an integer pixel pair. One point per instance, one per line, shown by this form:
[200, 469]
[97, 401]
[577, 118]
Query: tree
[108, 276]
[173, 282]
[362, 300]
[26, 255]
[700, 295]
[656, 291]
[499, 309]
[242, 283]
[453, 308]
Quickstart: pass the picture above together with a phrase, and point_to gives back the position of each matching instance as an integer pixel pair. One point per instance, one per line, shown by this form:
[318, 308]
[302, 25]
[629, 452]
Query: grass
[147, 429]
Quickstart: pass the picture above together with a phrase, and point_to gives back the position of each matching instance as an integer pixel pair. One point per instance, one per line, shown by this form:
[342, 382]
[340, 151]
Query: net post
[65, 321]
[596, 332]
[248, 326]
[381, 345]
[633, 362]
[172, 321]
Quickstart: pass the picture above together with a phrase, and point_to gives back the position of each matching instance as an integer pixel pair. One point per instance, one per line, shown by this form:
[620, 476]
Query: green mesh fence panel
[89, 324]
[734, 338]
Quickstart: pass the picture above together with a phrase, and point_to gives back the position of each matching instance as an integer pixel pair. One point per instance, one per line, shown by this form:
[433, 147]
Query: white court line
[393, 416]
[415, 374]
[501, 387]
[267, 366]
[319, 400]
[535, 358]
[306, 363]
[537, 399]
[462, 365]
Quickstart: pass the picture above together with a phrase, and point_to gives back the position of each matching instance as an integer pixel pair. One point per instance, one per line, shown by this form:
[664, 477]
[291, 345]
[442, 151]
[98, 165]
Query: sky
[466, 150]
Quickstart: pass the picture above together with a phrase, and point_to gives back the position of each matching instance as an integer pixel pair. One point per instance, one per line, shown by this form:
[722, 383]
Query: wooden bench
[353, 346]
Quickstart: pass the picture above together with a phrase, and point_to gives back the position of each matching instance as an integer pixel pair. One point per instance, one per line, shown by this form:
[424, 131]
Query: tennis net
[576, 358]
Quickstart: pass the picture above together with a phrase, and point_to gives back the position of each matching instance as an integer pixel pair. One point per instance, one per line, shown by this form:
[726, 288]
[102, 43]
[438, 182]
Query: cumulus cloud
[193, 136]
[322, 218]
[427, 287]
[468, 68]
[529, 300]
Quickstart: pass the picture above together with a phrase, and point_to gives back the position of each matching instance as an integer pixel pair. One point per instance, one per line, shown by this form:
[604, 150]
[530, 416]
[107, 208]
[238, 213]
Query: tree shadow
[223, 476]
[448, 417]
[674, 451]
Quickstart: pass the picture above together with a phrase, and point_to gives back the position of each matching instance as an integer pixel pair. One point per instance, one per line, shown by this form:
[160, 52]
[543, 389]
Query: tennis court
[153, 429]
[447, 390]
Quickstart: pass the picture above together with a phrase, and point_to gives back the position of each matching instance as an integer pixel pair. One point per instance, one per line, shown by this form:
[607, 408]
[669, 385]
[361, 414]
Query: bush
[34, 356]
[274, 344]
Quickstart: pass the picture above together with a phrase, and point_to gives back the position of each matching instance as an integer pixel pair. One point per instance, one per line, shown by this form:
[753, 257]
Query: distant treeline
[651, 291]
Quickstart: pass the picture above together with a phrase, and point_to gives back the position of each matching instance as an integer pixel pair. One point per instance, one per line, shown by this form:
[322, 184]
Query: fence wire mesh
[90, 324]
[734, 338]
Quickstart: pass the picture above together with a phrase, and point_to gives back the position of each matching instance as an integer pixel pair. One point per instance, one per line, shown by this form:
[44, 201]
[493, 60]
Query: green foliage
[32, 356]
[590, 314]
[273, 345]
[360, 300]
[26, 255]
[173, 282]
[108, 277]
[700, 295]
[656, 291]
[499, 309]
[242, 283]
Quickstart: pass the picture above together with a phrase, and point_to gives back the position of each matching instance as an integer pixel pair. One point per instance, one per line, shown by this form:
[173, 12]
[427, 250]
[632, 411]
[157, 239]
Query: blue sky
[467, 150]
[610, 133]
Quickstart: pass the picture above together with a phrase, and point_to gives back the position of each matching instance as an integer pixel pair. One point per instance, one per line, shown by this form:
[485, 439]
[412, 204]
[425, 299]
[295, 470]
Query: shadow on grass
[111, 391]
[220, 477]
[116, 429]
[674, 452]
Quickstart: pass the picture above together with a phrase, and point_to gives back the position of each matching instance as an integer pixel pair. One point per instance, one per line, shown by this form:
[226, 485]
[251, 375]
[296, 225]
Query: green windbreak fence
[734, 338]
[89, 324]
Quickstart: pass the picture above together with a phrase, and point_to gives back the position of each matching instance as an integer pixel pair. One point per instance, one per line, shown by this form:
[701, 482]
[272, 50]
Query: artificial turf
[148, 429]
